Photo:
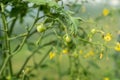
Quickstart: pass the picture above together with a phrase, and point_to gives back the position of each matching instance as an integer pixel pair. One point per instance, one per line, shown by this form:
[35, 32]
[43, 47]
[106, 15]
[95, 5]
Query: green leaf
[37, 1]
[31, 46]
[43, 2]
[44, 66]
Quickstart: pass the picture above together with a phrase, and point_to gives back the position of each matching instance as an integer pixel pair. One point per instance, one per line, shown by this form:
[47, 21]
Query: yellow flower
[108, 37]
[101, 55]
[105, 12]
[90, 53]
[65, 51]
[81, 52]
[51, 55]
[106, 78]
[117, 47]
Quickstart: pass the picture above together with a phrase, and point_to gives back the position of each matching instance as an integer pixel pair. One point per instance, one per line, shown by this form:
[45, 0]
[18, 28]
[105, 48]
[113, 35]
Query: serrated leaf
[79, 18]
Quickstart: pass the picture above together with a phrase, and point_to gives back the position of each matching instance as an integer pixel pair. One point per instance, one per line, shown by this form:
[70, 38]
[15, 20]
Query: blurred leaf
[85, 72]
[44, 66]
[44, 78]
[93, 64]
[19, 9]
[37, 1]
[116, 79]
[44, 2]
[48, 20]
[31, 46]
[67, 72]
[32, 75]
[79, 18]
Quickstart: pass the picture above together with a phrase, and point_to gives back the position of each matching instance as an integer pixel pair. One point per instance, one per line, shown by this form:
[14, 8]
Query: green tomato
[41, 28]
[67, 39]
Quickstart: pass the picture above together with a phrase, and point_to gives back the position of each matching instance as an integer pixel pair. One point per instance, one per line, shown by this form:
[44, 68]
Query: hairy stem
[27, 35]
[7, 43]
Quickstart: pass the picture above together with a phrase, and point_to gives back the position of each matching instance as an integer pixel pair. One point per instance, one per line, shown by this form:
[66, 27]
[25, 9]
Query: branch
[33, 53]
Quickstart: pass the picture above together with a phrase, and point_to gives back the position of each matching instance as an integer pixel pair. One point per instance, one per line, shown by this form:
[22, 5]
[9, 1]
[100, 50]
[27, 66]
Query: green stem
[23, 76]
[16, 50]
[4, 65]
[41, 61]
[76, 65]
[62, 25]
[44, 57]
[59, 69]
[33, 53]
[27, 35]
[7, 42]
[19, 36]
[70, 65]
[12, 26]
[94, 43]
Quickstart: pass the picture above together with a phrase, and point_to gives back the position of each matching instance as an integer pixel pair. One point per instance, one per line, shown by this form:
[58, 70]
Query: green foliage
[44, 2]
[56, 38]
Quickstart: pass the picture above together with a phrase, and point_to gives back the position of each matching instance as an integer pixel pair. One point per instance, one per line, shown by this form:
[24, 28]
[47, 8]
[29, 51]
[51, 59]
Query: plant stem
[12, 26]
[44, 57]
[19, 36]
[41, 61]
[20, 46]
[70, 65]
[33, 53]
[4, 65]
[7, 42]
[27, 35]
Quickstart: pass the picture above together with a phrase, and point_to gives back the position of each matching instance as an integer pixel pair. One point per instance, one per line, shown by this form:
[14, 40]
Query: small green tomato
[41, 28]
[67, 39]
[93, 31]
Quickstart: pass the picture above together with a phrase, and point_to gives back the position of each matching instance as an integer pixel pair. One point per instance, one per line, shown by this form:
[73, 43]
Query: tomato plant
[56, 40]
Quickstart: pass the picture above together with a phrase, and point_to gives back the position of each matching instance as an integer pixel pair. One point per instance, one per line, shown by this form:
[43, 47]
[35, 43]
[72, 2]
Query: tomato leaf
[44, 2]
